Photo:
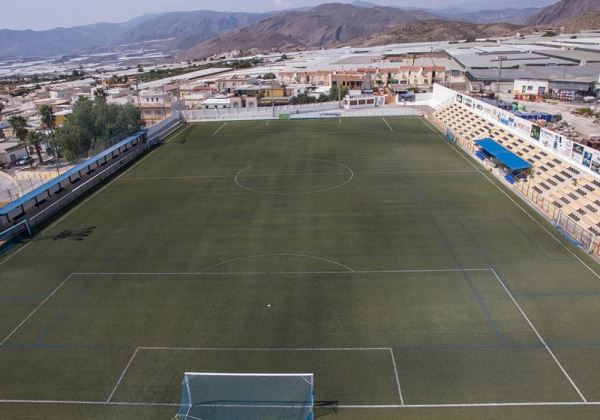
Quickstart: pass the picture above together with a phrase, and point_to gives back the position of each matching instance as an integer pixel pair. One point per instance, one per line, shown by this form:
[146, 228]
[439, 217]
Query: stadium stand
[556, 187]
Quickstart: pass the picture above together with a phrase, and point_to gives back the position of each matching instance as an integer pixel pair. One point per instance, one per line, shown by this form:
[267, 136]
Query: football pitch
[370, 252]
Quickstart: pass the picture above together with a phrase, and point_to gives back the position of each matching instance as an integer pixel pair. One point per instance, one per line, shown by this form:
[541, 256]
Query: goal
[247, 396]
[573, 231]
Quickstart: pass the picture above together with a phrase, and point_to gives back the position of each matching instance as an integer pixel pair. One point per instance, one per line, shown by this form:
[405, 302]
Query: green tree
[36, 139]
[269, 76]
[303, 99]
[1, 109]
[49, 122]
[18, 124]
[74, 141]
[96, 125]
[337, 92]
[100, 95]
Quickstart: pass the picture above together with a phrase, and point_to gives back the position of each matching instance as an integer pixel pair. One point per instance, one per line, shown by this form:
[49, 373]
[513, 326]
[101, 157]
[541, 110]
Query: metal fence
[569, 227]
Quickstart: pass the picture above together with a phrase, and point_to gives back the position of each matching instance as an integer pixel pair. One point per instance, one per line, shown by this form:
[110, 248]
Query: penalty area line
[219, 129]
[397, 377]
[35, 310]
[122, 375]
[389, 126]
[539, 336]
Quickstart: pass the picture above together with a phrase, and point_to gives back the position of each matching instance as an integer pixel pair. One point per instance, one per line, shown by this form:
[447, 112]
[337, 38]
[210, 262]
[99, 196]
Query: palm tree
[19, 127]
[49, 121]
[36, 139]
[100, 95]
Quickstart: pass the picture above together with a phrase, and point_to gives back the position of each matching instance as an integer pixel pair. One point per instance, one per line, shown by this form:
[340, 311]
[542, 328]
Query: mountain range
[564, 11]
[327, 25]
[180, 30]
[204, 33]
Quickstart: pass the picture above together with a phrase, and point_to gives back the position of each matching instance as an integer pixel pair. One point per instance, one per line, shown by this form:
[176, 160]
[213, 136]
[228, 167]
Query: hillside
[183, 29]
[583, 23]
[514, 16]
[188, 28]
[59, 41]
[564, 11]
[439, 30]
[328, 25]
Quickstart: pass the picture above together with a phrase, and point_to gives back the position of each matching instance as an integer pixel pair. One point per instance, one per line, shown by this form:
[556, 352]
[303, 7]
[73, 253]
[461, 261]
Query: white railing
[232, 114]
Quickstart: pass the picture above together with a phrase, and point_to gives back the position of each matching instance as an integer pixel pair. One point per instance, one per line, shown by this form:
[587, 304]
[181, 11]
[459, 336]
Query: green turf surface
[382, 261]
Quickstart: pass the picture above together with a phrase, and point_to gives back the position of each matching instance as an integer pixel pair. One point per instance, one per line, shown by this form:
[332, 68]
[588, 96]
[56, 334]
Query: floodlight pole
[500, 58]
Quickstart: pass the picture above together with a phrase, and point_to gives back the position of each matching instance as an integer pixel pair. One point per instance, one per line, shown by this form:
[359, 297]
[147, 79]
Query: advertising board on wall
[556, 143]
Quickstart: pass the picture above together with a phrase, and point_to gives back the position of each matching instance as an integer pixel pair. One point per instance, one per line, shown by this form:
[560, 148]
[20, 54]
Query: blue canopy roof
[45, 187]
[508, 158]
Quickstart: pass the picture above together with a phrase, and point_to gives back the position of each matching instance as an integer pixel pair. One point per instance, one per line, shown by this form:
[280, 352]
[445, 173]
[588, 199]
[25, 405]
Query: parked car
[25, 161]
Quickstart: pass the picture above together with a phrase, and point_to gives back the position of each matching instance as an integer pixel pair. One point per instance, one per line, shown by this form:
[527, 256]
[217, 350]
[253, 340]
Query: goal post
[247, 396]
[573, 231]
[19, 230]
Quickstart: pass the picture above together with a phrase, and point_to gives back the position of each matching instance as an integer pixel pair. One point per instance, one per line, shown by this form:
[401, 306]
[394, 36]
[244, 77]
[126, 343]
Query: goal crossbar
[247, 395]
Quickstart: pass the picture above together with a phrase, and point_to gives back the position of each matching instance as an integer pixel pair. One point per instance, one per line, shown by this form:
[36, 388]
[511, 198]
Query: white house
[362, 101]
[531, 87]
[11, 151]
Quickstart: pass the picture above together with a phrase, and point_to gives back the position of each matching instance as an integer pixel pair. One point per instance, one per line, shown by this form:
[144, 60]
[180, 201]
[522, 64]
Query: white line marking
[518, 205]
[158, 178]
[327, 260]
[539, 336]
[475, 405]
[343, 406]
[219, 129]
[35, 310]
[184, 128]
[67, 402]
[155, 178]
[266, 349]
[396, 375]
[389, 126]
[420, 172]
[238, 273]
[350, 178]
[268, 121]
[122, 375]
[428, 126]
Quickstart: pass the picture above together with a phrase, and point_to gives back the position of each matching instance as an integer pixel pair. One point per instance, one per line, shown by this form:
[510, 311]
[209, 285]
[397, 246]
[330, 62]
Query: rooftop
[586, 74]
[184, 77]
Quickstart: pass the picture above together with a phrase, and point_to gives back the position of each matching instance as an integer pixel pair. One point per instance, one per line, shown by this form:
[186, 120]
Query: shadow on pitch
[67, 234]
[325, 408]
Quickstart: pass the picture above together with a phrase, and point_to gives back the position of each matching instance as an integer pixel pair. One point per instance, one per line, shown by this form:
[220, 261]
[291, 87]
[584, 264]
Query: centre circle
[294, 176]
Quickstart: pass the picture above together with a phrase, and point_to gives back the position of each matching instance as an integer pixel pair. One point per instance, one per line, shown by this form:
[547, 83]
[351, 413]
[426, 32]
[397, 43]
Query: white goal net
[247, 396]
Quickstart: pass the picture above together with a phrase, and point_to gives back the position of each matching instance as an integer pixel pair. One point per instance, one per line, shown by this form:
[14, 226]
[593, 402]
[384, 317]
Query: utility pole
[272, 92]
[164, 99]
[500, 59]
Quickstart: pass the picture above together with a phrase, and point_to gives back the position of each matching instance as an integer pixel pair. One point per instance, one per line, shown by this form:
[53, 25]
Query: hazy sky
[45, 14]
